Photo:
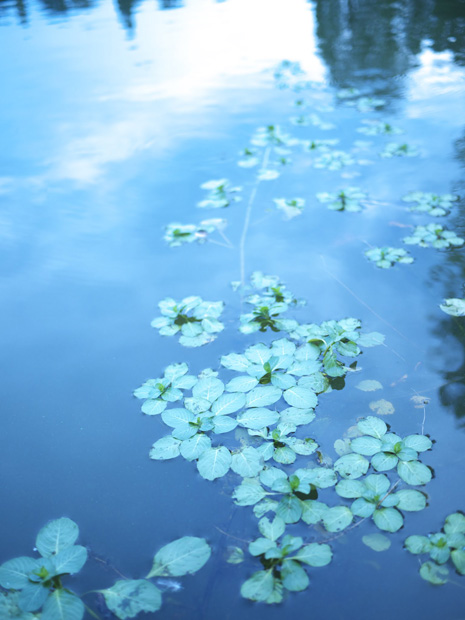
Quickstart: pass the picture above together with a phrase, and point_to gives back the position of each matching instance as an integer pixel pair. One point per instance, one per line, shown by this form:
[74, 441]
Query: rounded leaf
[410, 500]
[372, 426]
[383, 461]
[366, 445]
[418, 544]
[350, 489]
[214, 463]
[62, 605]
[458, 558]
[258, 587]
[377, 542]
[70, 560]
[337, 519]
[419, 443]
[247, 463]
[352, 466]
[14, 573]
[165, 448]
[437, 575]
[193, 448]
[184, 556]
[263, 396]
[414, 472]
[455, 523]
[272, 529]
[56, 536]
[257, 418]
[293, 576]
[388, 519]
[129, 597]
[300, 398]
[314, 554]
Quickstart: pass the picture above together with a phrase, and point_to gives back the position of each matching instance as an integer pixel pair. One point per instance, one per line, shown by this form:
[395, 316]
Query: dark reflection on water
[360, 43]
[126, 8]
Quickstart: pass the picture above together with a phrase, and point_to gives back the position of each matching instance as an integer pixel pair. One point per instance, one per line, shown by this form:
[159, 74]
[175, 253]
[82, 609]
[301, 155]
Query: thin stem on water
[245, 228]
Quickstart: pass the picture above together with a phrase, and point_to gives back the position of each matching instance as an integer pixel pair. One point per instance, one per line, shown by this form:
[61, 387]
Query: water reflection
[356, 47]
[126, 8]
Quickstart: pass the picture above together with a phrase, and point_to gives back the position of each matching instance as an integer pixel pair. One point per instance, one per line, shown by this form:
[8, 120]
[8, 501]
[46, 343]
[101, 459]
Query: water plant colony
[269, 392]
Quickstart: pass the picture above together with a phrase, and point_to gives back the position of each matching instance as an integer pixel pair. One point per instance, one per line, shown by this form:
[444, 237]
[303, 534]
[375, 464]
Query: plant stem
[247, 217]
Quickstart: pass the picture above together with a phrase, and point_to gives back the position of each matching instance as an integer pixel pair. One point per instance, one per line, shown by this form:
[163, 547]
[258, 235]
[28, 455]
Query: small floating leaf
[453, 306]
[62, 605]
[437, 575]
[337, 518]
[214, 463]
[414, 472]
[129, 597]
[382, 407]
[377, 542]
[184, 556]
[369, 385]
[56, 536]
[258, 587]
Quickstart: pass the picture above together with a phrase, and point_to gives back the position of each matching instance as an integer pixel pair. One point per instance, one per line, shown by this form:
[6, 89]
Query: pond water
[113, 116]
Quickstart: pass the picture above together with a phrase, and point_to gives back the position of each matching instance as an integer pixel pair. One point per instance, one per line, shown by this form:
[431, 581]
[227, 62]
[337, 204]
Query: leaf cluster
[347, 199]
[387, 256]
[427, 202]
[180, 234]
[434, 235]
[193, 318]
[220, 194]
[35, 584]
[397, 149]
[448, 544]
[282, 562]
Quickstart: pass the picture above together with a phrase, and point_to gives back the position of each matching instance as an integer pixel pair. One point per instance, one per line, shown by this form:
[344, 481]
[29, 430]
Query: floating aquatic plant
[386, 256]
[35, 584]
[157, 393]
[282, 557]
[221, 194]
[396, 149]
[378, 128]
[320, 146]
[249, 158]
[453, 306]
[433, 235]
[334, 160]
[291, 207]
[347, 199]
[179, 234]
[441, 546]
[194, 319]
[388, 450]
[433, 204]
[272, 135]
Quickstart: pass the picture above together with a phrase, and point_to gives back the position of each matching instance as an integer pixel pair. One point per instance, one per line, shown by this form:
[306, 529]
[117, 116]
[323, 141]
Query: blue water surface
[112, 116]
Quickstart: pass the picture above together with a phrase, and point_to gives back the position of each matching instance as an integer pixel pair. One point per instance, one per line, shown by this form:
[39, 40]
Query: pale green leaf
[414, 472]
[437, 575]
[294, 577]
[300, 398]
[127, 598]
[165, 448]
[272, 529]
[377, 542]
[314, 554]
[184, 556]
[56, 536]
[382, 407]
[14, 573]
[388, 519]
[70, 560]
[258, 587]
[372, 426]
[247, 463]
[337, 519]
[369, 385]
[351, 466]
[62, 605]
[33, 596]
[214, 463]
